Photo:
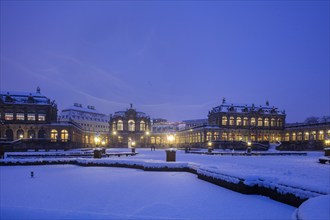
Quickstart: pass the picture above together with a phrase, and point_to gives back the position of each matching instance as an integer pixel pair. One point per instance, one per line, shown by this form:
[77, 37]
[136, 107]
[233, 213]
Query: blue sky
[174, 60]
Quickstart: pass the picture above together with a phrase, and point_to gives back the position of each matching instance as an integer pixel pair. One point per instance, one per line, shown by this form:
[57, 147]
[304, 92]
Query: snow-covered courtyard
[70, 191]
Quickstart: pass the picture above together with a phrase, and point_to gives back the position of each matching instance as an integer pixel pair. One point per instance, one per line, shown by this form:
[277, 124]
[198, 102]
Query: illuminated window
[321, 135]
[131, 125]
[216, 135]
[272, 122]
[231, 121]
[224, 120]
[253, 122]
[259, 121]
[64, 135]
[313, 135]
[306, 136]
[279, 122]
[231, 136]
[245, 121]
[120, 126]
[238, 121]
[142, 126]
[41, 117]
[266, 123]
[287, 137]
[20, 116]
[299, 137]
[53, 135]
[293, 137]
[31, 117]
[208, 136]
[9, 116]
[224, 136]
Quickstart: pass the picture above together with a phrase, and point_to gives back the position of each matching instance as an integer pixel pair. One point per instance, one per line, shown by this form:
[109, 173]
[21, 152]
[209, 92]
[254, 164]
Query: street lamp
[209, 146]
[147, 134]
[97, 141]
[170, 139]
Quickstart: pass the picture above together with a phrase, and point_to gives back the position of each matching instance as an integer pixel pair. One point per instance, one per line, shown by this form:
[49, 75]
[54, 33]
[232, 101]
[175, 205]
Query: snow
[302, 176]
[73, 192]
[316, 208]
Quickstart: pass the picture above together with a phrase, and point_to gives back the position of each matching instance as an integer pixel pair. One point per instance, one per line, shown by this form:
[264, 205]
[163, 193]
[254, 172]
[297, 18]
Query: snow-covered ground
[68, 191]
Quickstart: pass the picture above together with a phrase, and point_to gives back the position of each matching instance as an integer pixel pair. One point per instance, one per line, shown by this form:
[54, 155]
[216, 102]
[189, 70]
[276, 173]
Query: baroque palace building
[234, 123]
[94, 123]
[130, 127]
[32, 119]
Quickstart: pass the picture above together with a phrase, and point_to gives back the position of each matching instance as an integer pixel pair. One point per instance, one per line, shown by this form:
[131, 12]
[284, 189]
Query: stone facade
[129, 126]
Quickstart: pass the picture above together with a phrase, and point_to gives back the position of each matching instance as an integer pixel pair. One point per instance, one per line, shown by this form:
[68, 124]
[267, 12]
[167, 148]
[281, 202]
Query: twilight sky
[174, 60]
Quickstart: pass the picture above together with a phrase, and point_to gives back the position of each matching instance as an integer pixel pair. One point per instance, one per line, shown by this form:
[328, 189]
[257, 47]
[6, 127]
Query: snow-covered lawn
[68, 191]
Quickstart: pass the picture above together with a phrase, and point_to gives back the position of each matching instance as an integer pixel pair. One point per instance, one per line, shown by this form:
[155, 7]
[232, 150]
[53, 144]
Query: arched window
[231, 136]
[41, 133]
[224, 120]
[266, 122]
[142, 126]
[259, 121]
[245, 121]
[299, 136]
[231, 121]
[131, 125]
[53, 135]
[120, 125]
[306, 136]
[313, 135]
[31, 134]
[216, 135]
[293, 137]
[20, 134]
[238, 121]
[272, 122]
[224, 136]
[279, 122]
[64, 135]
[287, 137]
[253, 122]
[9, 135]
[208, 136]
[321, 135]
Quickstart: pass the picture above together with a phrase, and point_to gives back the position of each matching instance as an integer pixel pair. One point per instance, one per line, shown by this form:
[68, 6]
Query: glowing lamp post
[97, 141]
[133, 146]
[97, 152]
[327, 147]
[249, 149]
[170, 152]
[209, 147]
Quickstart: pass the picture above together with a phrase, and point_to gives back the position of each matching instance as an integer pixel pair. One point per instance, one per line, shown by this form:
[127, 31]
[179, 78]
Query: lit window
[231, 121]
[299, 136]
[9, 116]
[238, 121]
[64, 135]
[259, 121]
[131, 125]
[287, 137]
[20, 116]
[120, 126]
[306, 136]
[294, 136]
[245, 121]
[266, 122]
[53, 135]
[142, 126]
[31, 117]
[224, 120]
[41, 117]
[253, 121]
[321, 135]
[272, 122]
[208, 136]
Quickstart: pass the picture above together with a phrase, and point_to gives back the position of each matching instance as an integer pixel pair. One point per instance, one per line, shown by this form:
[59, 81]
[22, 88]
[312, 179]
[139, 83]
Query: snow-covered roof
[24, 98]
[82, 109]
[233, 107]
